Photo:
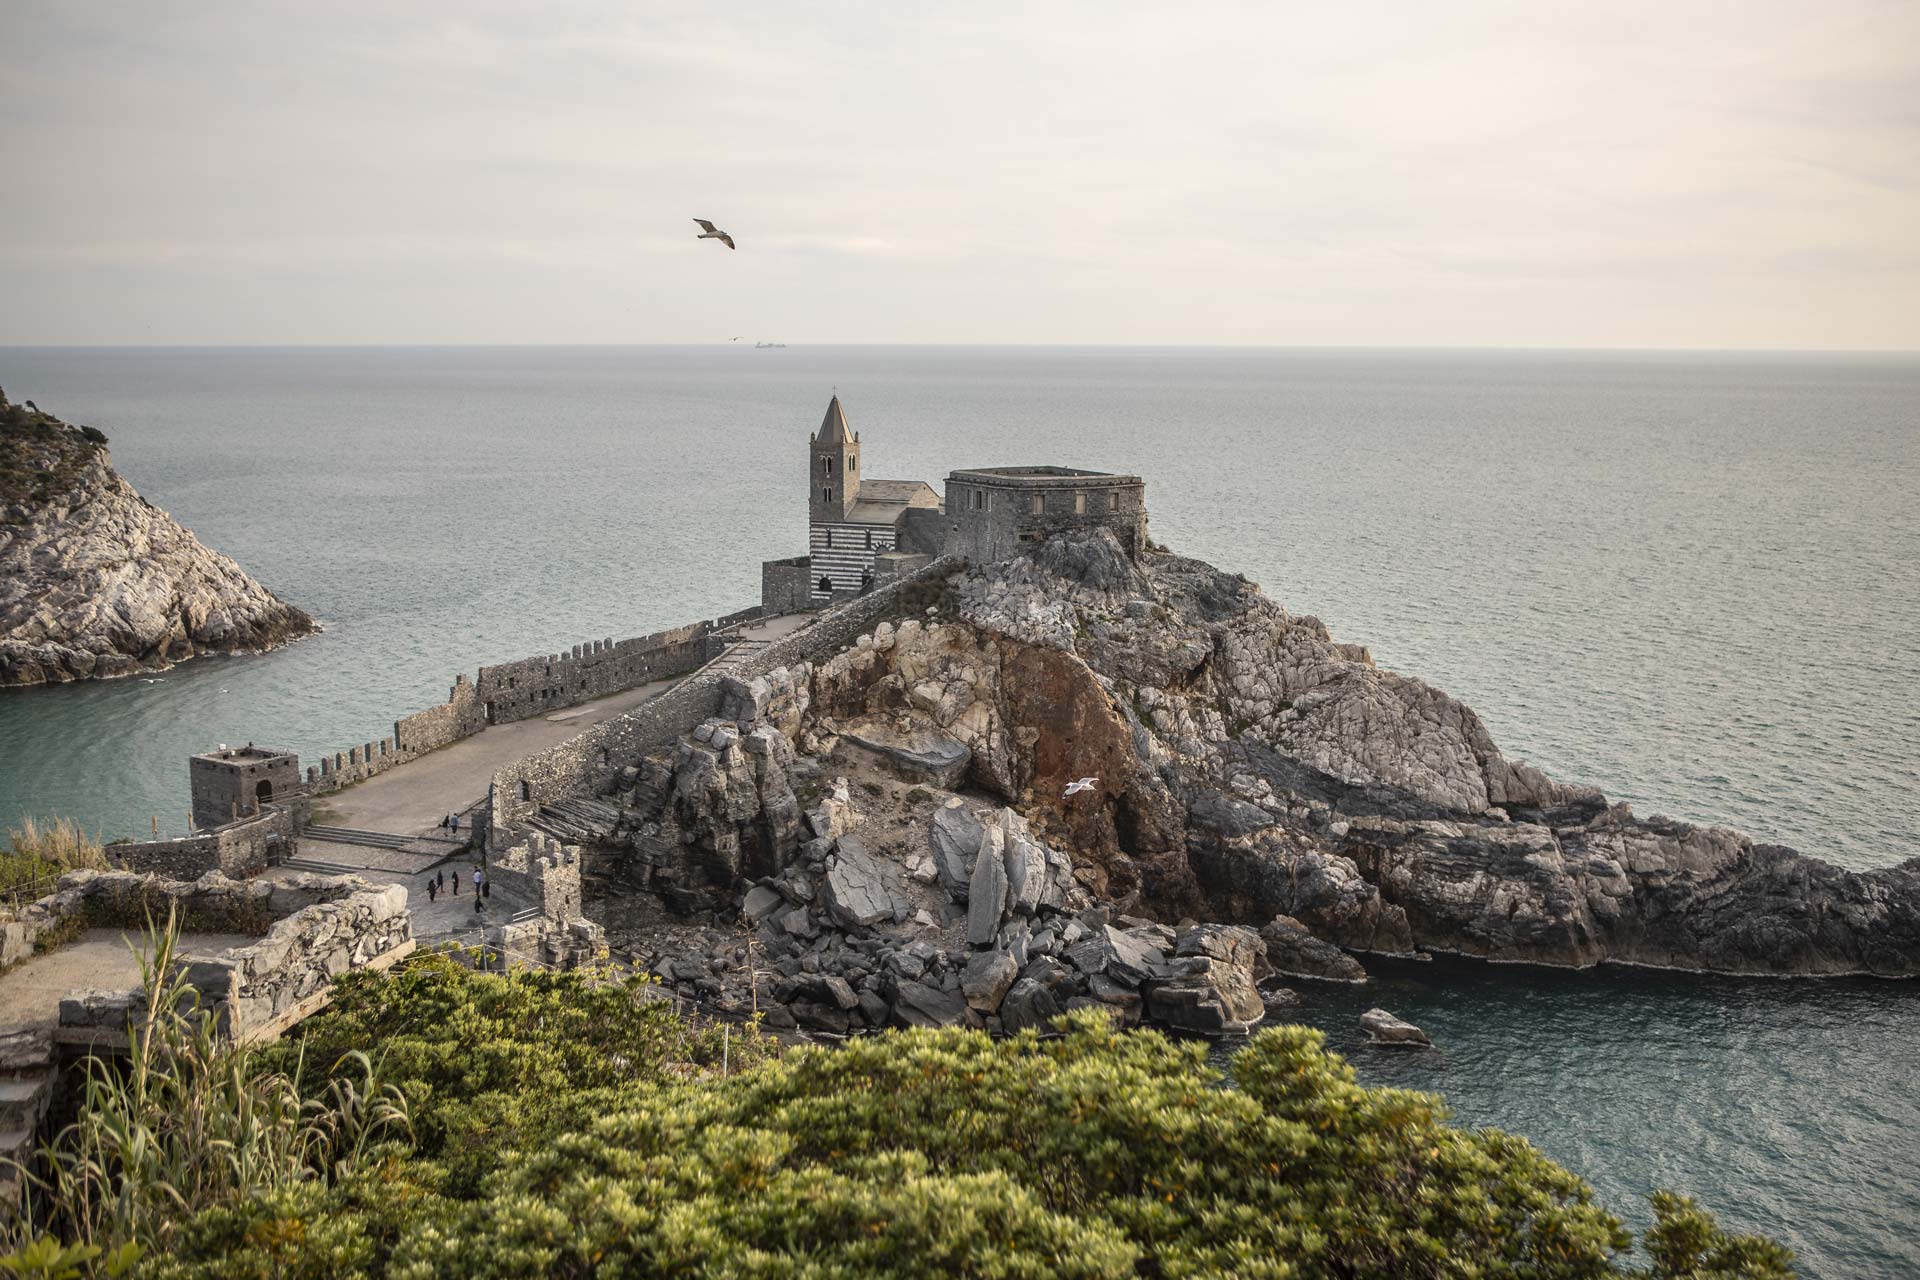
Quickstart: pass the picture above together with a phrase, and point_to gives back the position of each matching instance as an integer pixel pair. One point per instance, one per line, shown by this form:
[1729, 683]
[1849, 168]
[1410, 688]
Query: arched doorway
[263, 793]
[826, 584]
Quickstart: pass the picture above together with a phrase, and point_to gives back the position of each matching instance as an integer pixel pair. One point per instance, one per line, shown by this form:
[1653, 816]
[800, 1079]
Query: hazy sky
[1662, 174]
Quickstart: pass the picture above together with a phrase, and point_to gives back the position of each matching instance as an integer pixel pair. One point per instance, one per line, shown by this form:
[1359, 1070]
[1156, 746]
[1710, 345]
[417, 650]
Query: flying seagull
[710, 232]
[1075, 788]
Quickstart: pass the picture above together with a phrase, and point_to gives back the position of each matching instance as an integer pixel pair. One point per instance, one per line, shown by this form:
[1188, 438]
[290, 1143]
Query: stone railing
[311, 929]
[242, 848]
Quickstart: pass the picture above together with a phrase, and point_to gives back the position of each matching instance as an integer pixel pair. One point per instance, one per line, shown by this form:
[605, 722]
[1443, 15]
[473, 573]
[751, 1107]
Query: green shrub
[563, 1125]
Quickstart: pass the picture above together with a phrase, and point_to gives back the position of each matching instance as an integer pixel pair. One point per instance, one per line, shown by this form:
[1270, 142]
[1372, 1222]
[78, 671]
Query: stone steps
[317, 867]
[372, 839]
[26, 1094]
[578, 820]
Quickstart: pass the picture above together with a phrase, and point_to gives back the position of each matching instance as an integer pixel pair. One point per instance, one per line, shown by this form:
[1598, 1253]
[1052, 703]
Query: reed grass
[187, 1121]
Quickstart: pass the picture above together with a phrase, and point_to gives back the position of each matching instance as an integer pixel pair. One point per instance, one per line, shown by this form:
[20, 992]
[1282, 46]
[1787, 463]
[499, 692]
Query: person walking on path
[476, 904]
[456, 824]
[476, 880]
[433, 892]
[486, 889]
[456, 884]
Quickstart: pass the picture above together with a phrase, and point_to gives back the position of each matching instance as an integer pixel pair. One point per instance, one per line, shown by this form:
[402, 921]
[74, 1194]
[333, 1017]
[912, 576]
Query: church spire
[833, 427]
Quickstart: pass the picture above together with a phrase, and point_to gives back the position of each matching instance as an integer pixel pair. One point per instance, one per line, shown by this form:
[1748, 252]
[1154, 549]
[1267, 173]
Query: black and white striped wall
[842, 553]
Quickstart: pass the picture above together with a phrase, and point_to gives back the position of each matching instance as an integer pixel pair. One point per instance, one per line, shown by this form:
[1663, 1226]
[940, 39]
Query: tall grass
[39, 855]
[187, 1121]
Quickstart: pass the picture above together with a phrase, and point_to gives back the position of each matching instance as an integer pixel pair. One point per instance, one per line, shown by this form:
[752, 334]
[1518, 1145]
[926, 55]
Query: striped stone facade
[842, 554]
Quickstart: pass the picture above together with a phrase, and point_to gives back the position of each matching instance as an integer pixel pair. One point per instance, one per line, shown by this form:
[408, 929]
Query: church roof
[833, 427]
[914, 493]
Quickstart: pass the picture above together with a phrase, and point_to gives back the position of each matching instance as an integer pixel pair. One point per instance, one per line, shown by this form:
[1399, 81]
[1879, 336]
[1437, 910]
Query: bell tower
[833, 468]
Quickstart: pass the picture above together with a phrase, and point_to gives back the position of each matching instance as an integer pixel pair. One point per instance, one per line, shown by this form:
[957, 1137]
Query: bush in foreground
[564, 1128]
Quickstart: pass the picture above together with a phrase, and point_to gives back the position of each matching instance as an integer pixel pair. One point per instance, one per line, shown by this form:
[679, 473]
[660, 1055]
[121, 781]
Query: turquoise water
[1687, 579]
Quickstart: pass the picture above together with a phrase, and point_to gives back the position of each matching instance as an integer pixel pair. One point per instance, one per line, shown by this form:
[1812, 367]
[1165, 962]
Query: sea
[1686, 578]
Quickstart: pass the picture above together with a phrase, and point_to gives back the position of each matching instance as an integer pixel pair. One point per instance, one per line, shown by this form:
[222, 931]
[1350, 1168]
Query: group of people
[451, 823]
[442, 883]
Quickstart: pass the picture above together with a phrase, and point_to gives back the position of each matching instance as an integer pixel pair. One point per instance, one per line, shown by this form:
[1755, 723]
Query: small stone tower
[234, 782]
[833, 468]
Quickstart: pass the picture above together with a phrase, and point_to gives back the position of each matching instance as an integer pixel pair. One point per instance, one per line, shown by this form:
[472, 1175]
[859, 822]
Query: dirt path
[100, 959]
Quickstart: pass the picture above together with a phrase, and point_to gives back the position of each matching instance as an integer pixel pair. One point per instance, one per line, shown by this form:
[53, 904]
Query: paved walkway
[412, 798]
[99, 959]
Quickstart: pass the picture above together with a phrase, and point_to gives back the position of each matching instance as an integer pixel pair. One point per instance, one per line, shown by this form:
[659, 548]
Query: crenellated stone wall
[543, 873]
[542, 685]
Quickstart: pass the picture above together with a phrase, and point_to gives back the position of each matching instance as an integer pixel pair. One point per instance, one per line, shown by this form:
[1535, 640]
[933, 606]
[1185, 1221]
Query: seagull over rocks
[710, 232]
[1075, 788]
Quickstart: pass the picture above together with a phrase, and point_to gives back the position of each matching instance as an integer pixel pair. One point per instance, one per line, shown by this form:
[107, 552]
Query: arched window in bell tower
[827, 465]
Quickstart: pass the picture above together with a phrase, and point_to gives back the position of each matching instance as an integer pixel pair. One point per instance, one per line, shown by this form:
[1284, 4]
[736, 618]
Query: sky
[1663, 174]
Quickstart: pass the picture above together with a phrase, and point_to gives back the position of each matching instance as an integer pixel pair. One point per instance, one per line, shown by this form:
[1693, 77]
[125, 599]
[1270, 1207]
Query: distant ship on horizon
[762, 346]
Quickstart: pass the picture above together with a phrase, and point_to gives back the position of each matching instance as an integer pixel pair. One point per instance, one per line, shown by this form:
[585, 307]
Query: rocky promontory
[95, 581]
[884, 834]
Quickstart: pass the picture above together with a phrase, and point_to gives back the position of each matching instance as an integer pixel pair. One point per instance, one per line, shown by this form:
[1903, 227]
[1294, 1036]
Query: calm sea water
[1687, 579]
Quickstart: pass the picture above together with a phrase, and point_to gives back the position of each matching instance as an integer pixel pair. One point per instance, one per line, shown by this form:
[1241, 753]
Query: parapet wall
[540, 686]
[239, 849]
[593, 760]
[460, 716]
[520, 690]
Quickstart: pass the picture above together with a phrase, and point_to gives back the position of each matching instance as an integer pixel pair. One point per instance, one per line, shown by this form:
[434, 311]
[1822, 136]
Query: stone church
[862, 531]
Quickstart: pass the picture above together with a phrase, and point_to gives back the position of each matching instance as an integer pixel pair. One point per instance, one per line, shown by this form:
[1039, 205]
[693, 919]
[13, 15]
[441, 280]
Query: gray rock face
[1293, 951]
[927, 756]
[1383, 1028]
[860, 889]
[97, 582]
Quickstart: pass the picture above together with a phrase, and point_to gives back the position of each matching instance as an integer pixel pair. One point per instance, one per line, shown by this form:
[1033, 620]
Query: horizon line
[1002, 346]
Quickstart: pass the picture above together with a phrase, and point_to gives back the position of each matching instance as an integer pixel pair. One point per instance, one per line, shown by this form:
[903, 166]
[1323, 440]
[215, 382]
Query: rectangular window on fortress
[1079, 504]
[976, 495]
[1113, 502]
[1039, 504]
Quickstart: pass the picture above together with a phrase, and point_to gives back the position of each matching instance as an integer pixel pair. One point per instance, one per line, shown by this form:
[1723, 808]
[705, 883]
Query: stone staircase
[442, 845]
[26, 1093]
[737, 655]
[318, 867]
[578, 820]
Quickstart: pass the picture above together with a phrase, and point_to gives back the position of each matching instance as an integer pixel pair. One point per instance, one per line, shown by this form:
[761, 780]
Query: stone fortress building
[864, 532]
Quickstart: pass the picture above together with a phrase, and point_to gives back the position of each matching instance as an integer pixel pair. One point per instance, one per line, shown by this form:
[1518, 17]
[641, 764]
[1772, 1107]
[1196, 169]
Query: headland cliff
[890, 813]
[95, 581]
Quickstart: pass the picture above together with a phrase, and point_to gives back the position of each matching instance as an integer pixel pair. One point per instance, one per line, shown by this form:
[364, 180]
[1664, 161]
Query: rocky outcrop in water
[95, 581]
[892, 823]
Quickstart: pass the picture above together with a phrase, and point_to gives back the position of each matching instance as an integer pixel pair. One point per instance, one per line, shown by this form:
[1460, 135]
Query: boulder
[760, 903]
[860, 889]
[1294, 951]
[1208, 985]
[1029, 1003]
[1129, 958]
[954, 837]
[916, 1004]
[986, 979]
[986, 894]
[1037, 877]
[921, 756]
[1383, 1028]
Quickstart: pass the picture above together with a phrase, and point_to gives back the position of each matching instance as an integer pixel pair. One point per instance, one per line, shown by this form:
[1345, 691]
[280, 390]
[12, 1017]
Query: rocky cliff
[892, 821]
[96, 581]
